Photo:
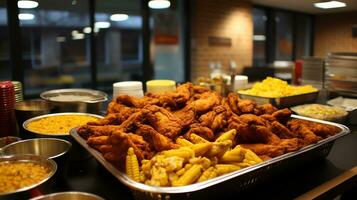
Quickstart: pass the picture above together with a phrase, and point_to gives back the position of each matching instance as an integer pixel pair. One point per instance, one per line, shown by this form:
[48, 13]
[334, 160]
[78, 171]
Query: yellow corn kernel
[201, 148]
[183, 142]
[189, 177]
[132, 165]
[226, 168]
[219, 148]
[181, 171]
[250, 162]
[183, 152]
[207, 174]
[229, 135]
[197, 139]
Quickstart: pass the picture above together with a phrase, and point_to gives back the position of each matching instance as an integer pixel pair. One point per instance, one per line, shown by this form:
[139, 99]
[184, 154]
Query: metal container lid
[343, 55]
[75, 95]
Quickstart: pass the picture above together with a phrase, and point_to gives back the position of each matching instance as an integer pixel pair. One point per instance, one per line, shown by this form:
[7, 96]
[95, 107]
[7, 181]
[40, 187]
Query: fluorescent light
[26, 16]
[259, 37]
[78, 36]
[74, 32]
[159, 4]
[102, 25]
[27, 4]
[60, 39]
[87, 30]
[330, 4]
[119, 17]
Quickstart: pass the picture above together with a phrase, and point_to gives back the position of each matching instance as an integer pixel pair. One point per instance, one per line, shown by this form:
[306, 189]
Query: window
[167, 42]
[283, 36]
[55, 48]
[259, 37]
[5, 72]
[119, 47]
[303, 36]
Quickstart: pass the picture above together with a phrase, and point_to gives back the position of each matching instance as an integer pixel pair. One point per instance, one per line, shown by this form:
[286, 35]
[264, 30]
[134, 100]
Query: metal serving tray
[283, 102]
[232, 182]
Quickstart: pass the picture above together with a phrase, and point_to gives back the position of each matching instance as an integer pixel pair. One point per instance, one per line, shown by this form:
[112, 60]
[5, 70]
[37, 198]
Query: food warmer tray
[283, 102]
[233, 182]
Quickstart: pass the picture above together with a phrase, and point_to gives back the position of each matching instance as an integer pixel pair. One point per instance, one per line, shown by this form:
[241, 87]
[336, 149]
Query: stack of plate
[18, 91]
[312, 72]
[341, 73]
[7, 109]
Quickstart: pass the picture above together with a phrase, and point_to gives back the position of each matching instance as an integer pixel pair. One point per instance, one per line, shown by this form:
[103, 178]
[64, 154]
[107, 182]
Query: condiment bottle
[160, 86]
[131, 88]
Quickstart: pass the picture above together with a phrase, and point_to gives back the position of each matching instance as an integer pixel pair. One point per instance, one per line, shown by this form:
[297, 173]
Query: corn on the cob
[197, 139]
[183, 142]
[203, 161]
[252, 156]
[226, 168]
[234, 155]
[189, 177]
[183, 152]
[229, 135]
[241, 164]
[201, 148]
[132, 165]
[181, 171]
[219, 148]
[208, 174]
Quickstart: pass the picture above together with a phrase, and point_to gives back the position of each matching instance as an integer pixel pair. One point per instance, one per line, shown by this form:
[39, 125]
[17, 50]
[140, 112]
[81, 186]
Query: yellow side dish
[319, 111]
[59, 124]
[274, 88]
[17, 175]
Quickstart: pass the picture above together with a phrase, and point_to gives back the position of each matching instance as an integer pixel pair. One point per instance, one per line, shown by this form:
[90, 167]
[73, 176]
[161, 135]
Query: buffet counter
[90, 176]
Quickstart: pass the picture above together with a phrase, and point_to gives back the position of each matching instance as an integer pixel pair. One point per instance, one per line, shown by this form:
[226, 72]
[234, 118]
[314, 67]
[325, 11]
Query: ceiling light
[102, 25]
[78, 36]
[159, 4]
[119, 17]
[87, 30]
[74, 32]
[60, 39]
[26, 16]
[330, 4]
[27, 4]
[259, 37]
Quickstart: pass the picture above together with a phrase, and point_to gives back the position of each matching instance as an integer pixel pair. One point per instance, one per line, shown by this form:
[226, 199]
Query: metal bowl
[28, 109]
[51, 148]
[25, 192]
[75, 100]
[77, 153]
[69, 196]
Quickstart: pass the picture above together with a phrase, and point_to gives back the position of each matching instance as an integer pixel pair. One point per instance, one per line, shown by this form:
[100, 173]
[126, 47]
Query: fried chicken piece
[266, 109]
[254, 134]
[197, 89]
[215, 119]
[163, 121]
[186, 115]
[282, 115]
[281, 131]
[87, 131]
[97, 140]
[131, 101]
[308, 136]
[291, 144]
[322, 130]
[265, 149]
[121, 141]
[246, 106]
[200, 130]
[233, 103]
[205, 102]
[155, 139]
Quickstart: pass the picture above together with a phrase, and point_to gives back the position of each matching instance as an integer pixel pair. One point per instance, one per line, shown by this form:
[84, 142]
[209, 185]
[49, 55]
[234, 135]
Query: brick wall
[221, 18]
[333, 32]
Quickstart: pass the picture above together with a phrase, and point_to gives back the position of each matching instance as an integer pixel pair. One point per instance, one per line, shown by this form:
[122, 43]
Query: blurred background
[92, 43]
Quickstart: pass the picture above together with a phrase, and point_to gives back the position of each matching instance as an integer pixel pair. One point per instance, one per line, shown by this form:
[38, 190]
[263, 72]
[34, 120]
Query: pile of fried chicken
[151, 124]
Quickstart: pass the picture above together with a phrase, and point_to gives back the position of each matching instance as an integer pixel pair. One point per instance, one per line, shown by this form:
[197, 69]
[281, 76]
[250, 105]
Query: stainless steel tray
[233, 182]
[283, 102]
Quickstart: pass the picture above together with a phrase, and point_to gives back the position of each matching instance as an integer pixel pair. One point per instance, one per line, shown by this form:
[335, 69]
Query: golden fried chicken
[205, 101]
[309, 137]
[163, 121]
[265, 149]
[158, 141]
